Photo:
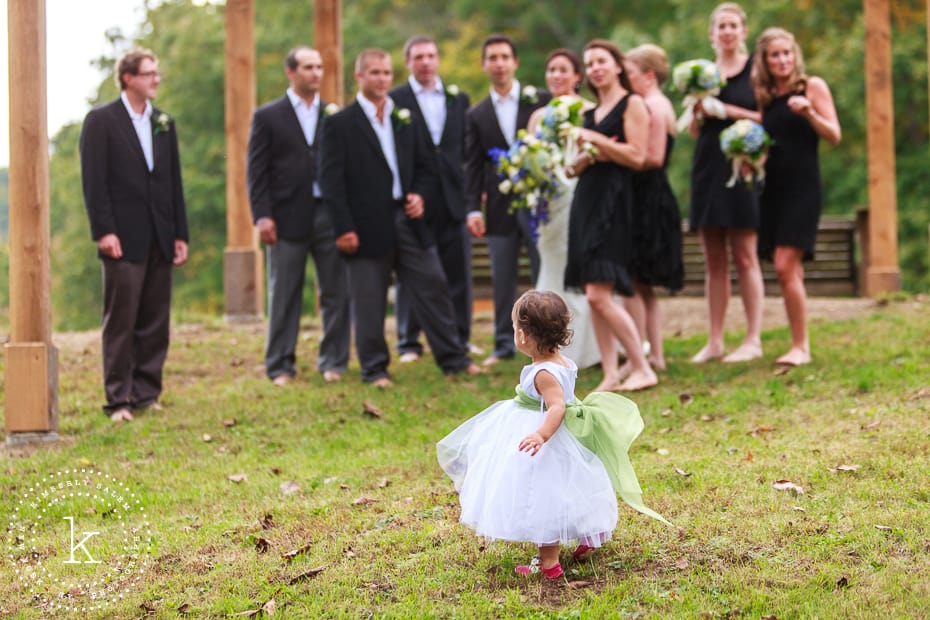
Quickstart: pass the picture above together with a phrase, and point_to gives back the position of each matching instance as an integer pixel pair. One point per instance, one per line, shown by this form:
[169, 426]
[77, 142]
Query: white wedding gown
[553, 251]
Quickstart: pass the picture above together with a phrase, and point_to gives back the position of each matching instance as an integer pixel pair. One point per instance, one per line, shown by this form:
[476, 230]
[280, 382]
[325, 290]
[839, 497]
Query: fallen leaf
[773, 617]
[363, 500]
[706, 418]
[267, 522]
[313, 572]
[871, 425]
[798, 508]
[883, 528]
[781, 369]
[761, 430]
[207, 438]
[787, 485]
[662, 452]
[270, 607]
[184, 608]
[664, 430]
[344, 487]
[251, 613]
[293, 553]
[370, 408]
[262, 545]
[666, 413]
[685, 398]
[682, 472]
[237, 478]
[576, 585]
[383, 483]
[290, 487]
[229, 423]
[919, 394]
[732, 450]
[276, 471]
[844, 468]
[681, 563]
[748, 456]
[147, 607]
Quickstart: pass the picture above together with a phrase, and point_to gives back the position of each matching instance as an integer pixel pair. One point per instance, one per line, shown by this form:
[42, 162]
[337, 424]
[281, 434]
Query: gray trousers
[504, 252]
[453, 243]
[419, 269]
[136, 319]
[287, 264]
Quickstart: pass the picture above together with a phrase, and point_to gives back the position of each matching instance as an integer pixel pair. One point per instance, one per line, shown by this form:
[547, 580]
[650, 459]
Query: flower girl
[543, 467]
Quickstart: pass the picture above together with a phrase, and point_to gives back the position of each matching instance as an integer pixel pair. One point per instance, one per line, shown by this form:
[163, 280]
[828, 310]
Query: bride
[563, 78]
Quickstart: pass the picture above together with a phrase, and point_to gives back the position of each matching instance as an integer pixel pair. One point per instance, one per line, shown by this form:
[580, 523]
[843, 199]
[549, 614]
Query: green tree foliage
[189, 39]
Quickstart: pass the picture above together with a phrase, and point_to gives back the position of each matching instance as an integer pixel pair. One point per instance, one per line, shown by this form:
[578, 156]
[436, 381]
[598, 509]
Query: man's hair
[361, 61]
[417, 39]
[291, 61]
[130, 62]
[495, 38]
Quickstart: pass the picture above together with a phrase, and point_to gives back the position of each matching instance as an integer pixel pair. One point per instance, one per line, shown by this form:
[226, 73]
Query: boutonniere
[330, 109]
[401, 116]
[162, 123]
[529, 95]
[452, 91]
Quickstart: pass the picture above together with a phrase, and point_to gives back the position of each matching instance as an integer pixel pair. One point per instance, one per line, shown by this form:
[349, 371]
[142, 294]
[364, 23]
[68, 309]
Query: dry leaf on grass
[290, 487]
[229, 423]
[871, 425]
[844, 468]
[237, 478]
[761, 430]
[207, 438]
[682, 472]
[781, 369]
[361, 501]
[313, 572]
[798, 509]
[577, 585]
[262, 545]
[748, 456]
[276, 471]
[147, 608]
[662, 452]
[883, 528]
[681, 563]
[685, 398]
[344, 487]
[267, 522]
[184, 608]
[787, 485]
[383, 483]
[369, 408]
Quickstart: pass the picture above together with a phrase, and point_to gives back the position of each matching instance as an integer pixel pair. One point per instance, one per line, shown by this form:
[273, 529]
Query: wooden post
[327, 37]
[31, 378]
[883, 275]
[242, 260]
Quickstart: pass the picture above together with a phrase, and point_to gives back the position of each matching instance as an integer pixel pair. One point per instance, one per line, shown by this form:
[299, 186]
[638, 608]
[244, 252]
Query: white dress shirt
[384, 130]
[505, 107]
[307, 116]
[432, 103]
[143, 126]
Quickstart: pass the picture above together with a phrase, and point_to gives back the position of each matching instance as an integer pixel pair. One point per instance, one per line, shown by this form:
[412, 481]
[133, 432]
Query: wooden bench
[832, 273]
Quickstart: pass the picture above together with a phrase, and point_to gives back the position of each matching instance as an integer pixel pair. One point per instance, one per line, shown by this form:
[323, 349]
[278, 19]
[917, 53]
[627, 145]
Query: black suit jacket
[448, 156]
[282, 168]
[121, 196]
[482, 133]
[357, 183]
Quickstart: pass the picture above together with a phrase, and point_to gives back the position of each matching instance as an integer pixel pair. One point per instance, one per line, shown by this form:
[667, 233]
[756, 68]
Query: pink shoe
[582, 553]
[553, 572]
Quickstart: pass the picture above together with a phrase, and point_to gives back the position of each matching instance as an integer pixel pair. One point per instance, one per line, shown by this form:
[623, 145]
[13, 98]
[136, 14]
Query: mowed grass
[373, 521]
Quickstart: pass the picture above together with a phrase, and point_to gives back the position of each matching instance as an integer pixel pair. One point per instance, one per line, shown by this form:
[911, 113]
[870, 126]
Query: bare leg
[790, 272]
[548, 556]
[653, 325]
[752, 290]
[602, 304]
[716, 290]
[607, 345]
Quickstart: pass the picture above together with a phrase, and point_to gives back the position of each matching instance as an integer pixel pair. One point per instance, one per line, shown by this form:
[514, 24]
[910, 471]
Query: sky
[74, 36]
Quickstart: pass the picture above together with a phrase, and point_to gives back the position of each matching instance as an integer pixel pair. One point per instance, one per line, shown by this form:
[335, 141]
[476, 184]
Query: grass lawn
[240, 496]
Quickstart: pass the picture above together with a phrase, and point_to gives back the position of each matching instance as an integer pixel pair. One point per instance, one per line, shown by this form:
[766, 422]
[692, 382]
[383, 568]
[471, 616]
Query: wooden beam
[31, 375]
[883, 273]
[327, 22]
[242, 259]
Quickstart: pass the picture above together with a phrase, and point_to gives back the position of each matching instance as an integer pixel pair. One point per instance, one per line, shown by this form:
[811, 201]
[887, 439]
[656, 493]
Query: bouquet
[745, 142]
[695, 79]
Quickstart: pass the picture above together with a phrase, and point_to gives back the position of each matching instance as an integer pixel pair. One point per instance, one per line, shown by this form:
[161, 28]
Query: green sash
[606, 424]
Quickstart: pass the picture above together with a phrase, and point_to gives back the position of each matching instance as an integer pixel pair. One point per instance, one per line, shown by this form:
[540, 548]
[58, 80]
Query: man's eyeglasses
[149, 74]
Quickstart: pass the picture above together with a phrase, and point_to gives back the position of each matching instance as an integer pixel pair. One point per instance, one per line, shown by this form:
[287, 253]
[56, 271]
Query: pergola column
[31, 375]
[327, 37]
[243, 284]
[882, 273]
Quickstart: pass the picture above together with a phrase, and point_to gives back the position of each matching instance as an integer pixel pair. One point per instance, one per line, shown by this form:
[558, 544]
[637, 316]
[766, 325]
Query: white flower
[505, 186]
[529, 94]
[330, 109]
[531, 200]
[520, 186]
[452, 90]
[162, 123]
[402, 115]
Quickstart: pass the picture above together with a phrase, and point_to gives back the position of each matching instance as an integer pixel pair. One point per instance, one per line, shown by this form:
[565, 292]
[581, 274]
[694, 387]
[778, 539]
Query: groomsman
[131, 174]
[292, 223]
[374, 172]
[439, 110]
[493, 123]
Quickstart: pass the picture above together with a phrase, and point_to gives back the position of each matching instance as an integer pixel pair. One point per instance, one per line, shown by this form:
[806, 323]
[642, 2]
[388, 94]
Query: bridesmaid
[563, 81]
[656, 219]
[726, 218]
[599, 235]
[797, 111]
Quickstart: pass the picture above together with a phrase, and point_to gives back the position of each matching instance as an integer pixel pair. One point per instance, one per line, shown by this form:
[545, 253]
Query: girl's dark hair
[611, 48]
[544, 317]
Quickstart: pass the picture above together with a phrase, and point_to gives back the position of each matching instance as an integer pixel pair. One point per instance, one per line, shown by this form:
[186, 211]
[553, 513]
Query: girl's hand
[532, 443]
